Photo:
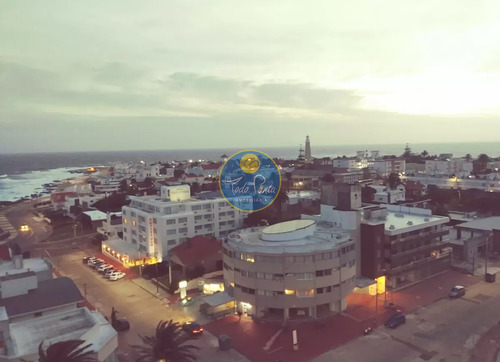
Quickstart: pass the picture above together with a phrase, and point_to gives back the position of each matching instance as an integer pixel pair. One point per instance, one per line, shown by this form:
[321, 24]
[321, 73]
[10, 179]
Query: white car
[103, 267]
[116, 276]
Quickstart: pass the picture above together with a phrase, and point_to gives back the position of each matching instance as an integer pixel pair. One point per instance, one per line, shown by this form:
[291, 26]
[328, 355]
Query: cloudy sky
[115, 75]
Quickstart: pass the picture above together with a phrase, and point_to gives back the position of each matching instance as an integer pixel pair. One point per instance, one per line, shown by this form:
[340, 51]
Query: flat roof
[123, 247]
[486, 224]
[51, 293]
[32, 264]
[217, 299]
[78, 323]
[287, 226]
[324, 237]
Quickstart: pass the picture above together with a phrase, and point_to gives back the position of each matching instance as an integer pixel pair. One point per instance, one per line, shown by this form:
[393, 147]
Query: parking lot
[142, 309]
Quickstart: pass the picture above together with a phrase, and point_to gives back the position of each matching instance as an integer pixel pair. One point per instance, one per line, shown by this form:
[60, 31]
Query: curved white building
[291, 270]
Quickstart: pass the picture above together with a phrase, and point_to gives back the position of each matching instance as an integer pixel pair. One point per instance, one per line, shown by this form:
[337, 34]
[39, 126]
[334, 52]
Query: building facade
[292, 270]
[405, 244]
[153, 225]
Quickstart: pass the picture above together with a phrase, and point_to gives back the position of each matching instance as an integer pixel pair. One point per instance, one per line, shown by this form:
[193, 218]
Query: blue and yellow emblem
[250, 180]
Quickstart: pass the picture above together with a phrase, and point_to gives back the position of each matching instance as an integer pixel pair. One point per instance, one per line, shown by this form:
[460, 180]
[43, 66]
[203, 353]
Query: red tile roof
[61, 196]
[196, 249]
[211, 166]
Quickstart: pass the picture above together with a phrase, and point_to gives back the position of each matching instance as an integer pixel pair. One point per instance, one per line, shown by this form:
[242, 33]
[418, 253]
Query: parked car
[192, 328]
[457, 291]
[103, 267]
[396, 320]
[108, 273]
[116, 276]
[106, 268]
[91, 262]
[86, 259]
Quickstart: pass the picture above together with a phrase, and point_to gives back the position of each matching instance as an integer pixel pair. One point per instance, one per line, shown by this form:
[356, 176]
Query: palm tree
[66, 351]
[168, 343]
[424, 153]
[483, 160]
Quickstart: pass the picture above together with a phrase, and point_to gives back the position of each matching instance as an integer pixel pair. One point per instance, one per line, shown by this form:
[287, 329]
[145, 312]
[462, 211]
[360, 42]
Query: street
[142, 309]
[444, 331]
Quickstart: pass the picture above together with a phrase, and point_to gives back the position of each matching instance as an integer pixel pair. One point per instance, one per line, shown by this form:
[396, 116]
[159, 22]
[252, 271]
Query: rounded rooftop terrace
[288, 230]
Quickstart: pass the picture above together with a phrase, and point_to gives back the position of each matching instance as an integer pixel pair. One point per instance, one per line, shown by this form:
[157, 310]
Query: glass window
[171, 221]
[171, 232]
[196, 207]
[183, 220]
[171, 242]
[183, 230]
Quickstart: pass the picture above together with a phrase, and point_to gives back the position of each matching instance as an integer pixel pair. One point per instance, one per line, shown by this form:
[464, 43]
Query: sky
[144, 75]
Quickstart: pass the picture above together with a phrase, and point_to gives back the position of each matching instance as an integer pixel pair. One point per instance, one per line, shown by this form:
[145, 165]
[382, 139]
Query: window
[305, 276]
[155, 221]
[171, 221]
[171, 232]
[319, 290]
[125, 230]
[133, 222]
[289, 292]
[222, 204]
[196, 207]
[142, 228]
[198, 227]
[207, 206]
[134, 232]
[183, 220]
[124, 212]
[305, 293]
[222, 214]
[132, 214]
[230, 213]
[183, 230]
[171, 242]
[197, 217]
[124, 221]
[142, 218]
[134, 241]
[328, 289]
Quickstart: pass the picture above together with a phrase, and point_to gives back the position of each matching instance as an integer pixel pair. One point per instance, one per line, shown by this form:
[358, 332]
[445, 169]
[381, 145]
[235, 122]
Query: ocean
[24, 174]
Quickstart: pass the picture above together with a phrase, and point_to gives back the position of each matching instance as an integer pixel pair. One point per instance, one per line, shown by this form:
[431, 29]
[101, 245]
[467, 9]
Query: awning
[217, 299]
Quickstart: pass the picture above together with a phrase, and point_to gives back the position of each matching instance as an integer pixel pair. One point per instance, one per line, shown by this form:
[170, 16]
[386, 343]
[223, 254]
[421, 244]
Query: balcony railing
[420, 263]
[418, 249]
[434, 233]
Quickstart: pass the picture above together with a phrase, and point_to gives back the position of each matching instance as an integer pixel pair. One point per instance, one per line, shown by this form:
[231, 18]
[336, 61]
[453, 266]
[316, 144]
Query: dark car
[85, 260]
[395, 320]
[457, 291]
[192, 328]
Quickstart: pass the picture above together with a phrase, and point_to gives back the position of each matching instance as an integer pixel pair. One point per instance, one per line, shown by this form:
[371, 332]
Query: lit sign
[151, 233]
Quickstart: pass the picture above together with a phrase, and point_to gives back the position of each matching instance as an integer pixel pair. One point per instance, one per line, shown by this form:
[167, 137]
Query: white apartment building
[152, 225]
[350, 163]
[291, 270]
[384, 168]
[459, 167]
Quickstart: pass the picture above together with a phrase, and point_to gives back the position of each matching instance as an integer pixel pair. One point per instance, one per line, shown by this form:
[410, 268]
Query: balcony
[421, 249]
[421, 236]
[421, 263]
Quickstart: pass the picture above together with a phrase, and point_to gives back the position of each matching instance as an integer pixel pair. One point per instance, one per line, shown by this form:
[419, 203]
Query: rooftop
[123, 247]
[78, 323]
[96, 215]
[50, 293]
[486, 224]
[297, 236]
[31, 264]
[196, 249]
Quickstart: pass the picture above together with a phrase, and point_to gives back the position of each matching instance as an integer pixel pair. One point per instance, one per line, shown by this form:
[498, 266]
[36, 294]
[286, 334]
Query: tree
[424, 154]
[468, 157]
[483, 160]
[168, 343]
[67, 351]
[393, 181]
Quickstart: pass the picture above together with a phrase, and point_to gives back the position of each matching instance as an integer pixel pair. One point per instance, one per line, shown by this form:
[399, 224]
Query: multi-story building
[459, 167]
[384, 168]
[291, 270]
[404, 244]
[152, 225]
[349, 163]
[36, 308]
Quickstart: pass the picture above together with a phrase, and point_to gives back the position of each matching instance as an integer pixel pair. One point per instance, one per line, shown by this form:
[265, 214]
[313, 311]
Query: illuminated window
[250, 259]
[124, 221]
[133, 222]
[305, 293]
[289, 292]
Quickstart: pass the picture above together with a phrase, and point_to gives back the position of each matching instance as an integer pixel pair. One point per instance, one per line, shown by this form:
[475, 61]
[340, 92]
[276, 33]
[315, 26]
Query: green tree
[67, 351]
[424, 154]
[393, 181]
[168, 343]
[483, 160]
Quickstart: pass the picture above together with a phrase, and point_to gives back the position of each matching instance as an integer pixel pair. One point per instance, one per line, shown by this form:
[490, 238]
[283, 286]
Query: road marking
[271, 340]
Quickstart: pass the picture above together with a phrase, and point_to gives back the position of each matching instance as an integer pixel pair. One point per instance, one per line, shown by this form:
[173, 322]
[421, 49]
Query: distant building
[308, 156]
[459, 167]
[302, 158]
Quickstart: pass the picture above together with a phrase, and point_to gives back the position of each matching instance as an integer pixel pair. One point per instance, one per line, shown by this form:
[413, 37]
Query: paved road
[39, 230]
[445, 331]
[142, 309]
